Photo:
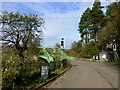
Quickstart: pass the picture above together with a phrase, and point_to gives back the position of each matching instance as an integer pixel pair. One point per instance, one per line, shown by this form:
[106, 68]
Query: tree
[111, 32]
[76, 48]
[57, 45]
[113, 9]
[84, 26]
[97, 18]
[21, 30]
[92, 21]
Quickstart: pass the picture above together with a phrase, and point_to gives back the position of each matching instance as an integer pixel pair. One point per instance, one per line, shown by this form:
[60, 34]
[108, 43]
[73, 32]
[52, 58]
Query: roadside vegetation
[22, 37]
[113, 63]
[15, 77]
[98, 31]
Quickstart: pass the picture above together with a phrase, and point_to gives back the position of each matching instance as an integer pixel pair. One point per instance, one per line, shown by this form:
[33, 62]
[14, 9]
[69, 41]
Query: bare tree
[57, 45]
[20, 30]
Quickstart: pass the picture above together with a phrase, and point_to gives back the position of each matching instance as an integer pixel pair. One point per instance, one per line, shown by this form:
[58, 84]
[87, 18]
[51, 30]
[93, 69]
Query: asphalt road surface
[86, 74]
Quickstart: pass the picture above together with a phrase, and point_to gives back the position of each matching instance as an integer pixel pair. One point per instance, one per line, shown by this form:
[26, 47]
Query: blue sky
[61, 18]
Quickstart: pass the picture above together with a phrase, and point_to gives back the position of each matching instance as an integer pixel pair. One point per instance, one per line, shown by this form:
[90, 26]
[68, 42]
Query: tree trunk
[20, 50]
[86, 40]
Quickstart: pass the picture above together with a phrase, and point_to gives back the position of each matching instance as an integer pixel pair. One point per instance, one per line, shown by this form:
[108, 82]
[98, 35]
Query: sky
[61, 18]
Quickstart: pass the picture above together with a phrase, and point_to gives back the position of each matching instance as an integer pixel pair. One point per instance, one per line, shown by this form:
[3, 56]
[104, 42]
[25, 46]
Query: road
[86, 74]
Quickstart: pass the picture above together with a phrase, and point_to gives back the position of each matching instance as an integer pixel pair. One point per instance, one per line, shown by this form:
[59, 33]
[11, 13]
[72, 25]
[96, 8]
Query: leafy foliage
[98, 30]
[111, 32]
[87, 51]
[84, 26]
[97, 17]
[91, 22]
[75, 49]
[21, 30]
[13, 75]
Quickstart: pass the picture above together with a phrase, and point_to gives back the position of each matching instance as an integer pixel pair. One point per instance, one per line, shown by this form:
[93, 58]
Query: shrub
[16, 71]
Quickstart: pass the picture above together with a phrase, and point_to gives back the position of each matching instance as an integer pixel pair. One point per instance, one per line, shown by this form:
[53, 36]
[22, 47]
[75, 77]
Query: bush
[65, 63]
[15, 71]
[89, 50]
[87, 56]
[10, 70]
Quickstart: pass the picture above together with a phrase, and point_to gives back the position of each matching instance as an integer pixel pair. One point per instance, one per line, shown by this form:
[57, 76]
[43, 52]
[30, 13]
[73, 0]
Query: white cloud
[58, 24]
[62, 25]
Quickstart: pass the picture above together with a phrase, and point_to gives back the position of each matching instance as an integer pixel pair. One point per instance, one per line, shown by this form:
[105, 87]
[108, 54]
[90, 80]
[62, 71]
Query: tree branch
[9, 41]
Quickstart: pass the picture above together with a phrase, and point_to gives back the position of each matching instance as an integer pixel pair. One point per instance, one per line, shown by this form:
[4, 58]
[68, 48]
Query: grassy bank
[113, 63]
[39, 81]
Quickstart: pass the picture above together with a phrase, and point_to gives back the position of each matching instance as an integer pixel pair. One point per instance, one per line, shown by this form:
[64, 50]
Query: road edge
[43, 85]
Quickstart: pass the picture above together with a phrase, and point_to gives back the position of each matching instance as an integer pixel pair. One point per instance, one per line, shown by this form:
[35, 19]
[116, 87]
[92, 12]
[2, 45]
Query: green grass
[32, 81]
[57, 71]
[113, 63]
[36, 79]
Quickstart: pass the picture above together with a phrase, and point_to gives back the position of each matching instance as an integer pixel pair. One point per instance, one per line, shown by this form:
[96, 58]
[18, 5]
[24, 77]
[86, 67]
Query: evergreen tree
[112, 10]
[84, 26]
[97, 18]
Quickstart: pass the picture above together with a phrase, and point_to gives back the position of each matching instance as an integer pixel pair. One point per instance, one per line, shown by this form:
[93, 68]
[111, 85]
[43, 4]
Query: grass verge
[113, 63]
[39, 80]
